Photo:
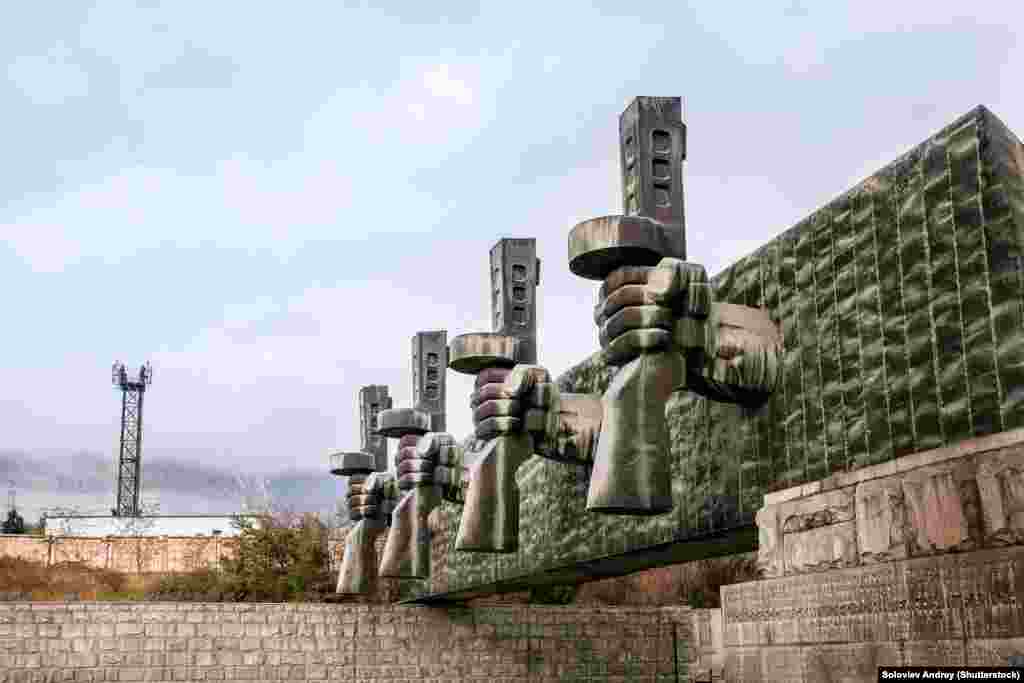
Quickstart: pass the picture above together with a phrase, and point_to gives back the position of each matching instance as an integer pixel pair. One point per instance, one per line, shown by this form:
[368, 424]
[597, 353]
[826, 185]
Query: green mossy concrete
[901, 304]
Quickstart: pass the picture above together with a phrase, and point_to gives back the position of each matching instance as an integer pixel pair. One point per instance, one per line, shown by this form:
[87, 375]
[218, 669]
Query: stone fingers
[507, 401]
[490, 392]
[682, 286]
[433, 444]
[496, 426]
[673, 297]
[625, 275]
[625, 296]
[631, 344]
[636, 318]
[438, 461]
[417, 459]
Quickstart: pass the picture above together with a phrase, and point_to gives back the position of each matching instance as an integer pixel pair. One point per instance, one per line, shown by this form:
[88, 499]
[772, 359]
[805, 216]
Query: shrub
[282, 558]
[26, 579]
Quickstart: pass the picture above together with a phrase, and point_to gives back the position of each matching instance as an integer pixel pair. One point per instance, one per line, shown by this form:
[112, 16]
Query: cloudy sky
[267, 200]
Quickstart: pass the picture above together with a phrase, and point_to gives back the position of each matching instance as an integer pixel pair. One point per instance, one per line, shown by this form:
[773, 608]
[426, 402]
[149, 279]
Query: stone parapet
[962, 497]
[946, 610]
[315, 642]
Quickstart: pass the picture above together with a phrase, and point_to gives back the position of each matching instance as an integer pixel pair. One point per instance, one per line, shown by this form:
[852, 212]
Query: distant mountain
[85, 482]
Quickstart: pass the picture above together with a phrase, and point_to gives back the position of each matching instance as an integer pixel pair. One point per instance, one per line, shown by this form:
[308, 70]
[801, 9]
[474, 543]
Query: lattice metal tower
[129, 461]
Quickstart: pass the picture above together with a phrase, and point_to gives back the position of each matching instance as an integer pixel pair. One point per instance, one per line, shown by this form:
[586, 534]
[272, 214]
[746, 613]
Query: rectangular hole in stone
[519, 272]
[661, 141]
[519, 293]
[660, 168]
[519, 316]
[661, 195]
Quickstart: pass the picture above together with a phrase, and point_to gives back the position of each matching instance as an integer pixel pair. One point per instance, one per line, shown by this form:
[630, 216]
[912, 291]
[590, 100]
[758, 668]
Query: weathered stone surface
[1000, 479]
[472, 352]
[994, 651]
[600, 245]
[826, 547]
[740, 359]
[943, 597]
[373, 399]
[770, 559]
[429, 388]
[947, 500]
[515, 276]
[303, 642]
[398, 422]
[942, 507]
[347, 464]
[811, 513]
[881, 521]
[652, 148]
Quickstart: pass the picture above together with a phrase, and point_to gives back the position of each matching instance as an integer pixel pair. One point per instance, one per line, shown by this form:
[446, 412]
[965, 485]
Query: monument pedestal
[914, 562]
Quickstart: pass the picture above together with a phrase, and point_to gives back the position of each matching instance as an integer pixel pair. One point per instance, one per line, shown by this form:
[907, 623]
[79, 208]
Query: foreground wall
[207, 641]
[916, 561]
[840, 625]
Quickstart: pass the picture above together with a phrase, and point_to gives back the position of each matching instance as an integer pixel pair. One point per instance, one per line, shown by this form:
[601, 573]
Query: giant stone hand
[644, 308]
[371, 499]
[732, 353]
[519, 399]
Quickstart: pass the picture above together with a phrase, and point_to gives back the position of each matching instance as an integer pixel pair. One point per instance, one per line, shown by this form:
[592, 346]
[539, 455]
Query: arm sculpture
[661, 327]
[371, 499]
[407, 549]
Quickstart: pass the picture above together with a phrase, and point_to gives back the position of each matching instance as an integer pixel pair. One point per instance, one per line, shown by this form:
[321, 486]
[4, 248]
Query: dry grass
[695, 584]
[27, 580]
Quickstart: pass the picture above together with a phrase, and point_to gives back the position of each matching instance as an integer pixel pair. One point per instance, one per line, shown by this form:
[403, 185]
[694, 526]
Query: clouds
[269, 206]
[441, 84]
[50, 78]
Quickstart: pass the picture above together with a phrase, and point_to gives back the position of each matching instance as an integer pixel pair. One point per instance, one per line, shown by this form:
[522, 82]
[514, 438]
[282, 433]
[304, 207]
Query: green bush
[280, 558]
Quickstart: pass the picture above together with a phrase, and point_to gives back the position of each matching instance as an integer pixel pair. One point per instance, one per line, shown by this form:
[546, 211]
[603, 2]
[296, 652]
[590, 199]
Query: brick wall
[213, 641]
[131, 555]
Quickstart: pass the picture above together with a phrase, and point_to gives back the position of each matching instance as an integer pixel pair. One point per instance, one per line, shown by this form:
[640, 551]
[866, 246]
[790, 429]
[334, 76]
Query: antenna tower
[129, 460]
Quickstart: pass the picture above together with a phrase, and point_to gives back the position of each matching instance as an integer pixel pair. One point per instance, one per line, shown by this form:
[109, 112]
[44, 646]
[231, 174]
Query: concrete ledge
[899, 465]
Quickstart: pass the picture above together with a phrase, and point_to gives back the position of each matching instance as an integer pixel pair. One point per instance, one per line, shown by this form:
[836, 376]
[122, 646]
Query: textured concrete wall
[952, 610]
[902, 307]
[131, 555]
[959, 498]
[207, 641]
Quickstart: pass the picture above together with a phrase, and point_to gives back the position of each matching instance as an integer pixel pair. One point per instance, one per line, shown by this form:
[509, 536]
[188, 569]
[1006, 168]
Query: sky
[267, 200]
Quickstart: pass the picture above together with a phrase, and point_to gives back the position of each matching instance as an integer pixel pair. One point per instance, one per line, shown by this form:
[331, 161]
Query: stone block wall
[208, 641]
[963, 609]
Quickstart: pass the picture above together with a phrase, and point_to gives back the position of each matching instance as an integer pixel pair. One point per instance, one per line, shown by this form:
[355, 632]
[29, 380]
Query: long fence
[129, 554]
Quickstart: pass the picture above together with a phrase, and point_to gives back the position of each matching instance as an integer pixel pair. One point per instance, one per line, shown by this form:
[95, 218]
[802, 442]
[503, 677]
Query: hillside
[85, 481]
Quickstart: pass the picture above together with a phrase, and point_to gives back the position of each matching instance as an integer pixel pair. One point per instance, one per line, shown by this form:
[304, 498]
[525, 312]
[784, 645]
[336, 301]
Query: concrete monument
[421, 442]
[371, 494]
[657, 323]
[502, 419]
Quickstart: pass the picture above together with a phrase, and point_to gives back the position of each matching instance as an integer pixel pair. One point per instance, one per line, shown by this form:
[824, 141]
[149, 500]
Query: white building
[154, 525]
